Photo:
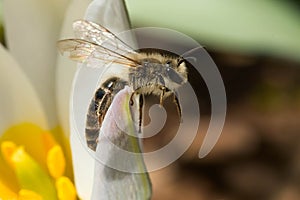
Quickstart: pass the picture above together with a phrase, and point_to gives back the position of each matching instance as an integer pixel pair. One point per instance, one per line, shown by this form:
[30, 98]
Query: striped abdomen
[98, 108]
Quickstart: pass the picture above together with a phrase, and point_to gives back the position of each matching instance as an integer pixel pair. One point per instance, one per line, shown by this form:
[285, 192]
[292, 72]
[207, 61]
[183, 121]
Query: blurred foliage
[256, 27]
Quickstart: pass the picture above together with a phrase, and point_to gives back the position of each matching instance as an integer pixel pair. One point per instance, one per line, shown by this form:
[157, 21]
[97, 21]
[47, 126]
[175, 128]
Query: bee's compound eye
[99, 94]
[173, 75]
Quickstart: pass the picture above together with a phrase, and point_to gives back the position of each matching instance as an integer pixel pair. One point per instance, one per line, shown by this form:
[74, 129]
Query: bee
[147, 72]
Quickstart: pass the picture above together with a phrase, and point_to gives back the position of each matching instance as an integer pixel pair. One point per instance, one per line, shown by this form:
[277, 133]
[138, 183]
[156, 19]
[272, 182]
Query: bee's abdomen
[98, 108]
[92, 125]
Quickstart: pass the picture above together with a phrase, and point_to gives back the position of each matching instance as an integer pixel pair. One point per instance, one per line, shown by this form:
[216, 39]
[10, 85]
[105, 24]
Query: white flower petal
[83, 160]
[32, 28]
[19, 102]
[65, 74]
[83, 165]
[111, 14]
[65, 67]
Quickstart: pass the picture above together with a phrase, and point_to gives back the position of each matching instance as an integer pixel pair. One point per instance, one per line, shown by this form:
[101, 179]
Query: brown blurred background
[258, 154]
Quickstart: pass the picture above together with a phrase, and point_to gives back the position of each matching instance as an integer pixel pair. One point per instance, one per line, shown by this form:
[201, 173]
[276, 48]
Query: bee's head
[176, 70]
[165, 68]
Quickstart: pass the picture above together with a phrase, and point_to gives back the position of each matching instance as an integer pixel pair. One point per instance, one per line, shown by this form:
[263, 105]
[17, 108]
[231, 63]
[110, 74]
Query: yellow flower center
[56, 162]
[65, 188]
[38, 177]
[29, 195]
[7, 149]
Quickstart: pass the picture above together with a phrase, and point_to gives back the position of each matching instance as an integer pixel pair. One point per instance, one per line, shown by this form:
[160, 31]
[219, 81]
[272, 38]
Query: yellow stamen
[7, 149]
[32, 137]
[31, 176]
[29, 195]
[65, 189]
[28, 164]
[6, 193]
[56, 161]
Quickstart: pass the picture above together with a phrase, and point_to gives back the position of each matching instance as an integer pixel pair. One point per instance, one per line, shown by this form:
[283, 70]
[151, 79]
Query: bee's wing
[98, 34]
[85, 51]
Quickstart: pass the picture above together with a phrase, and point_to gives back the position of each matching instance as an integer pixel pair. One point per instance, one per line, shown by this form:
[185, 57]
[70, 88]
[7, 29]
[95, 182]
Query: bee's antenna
[185, 56]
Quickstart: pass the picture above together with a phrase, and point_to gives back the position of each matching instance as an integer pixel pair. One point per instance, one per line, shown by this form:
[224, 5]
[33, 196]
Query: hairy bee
[146, 72]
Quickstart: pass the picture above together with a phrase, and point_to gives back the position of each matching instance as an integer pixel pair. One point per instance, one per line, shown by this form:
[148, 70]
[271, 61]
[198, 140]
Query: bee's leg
[131, 98]
[141, 104]
[177, 104]
[162, 94]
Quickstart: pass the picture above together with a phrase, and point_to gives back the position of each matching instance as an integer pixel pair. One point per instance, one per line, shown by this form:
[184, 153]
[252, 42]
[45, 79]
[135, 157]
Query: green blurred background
[256, 46]
[266, 27]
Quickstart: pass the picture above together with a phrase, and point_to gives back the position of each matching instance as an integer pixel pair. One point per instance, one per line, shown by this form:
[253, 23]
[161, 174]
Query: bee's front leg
[141, 104]
[162, 94]
[178, 107]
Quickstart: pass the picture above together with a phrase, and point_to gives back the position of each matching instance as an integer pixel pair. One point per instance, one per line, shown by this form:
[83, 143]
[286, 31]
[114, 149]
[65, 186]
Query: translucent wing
[99, 35]
[94, 42]
[85, 51]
